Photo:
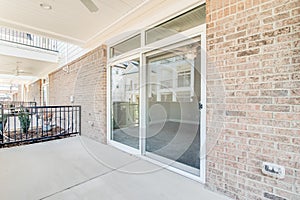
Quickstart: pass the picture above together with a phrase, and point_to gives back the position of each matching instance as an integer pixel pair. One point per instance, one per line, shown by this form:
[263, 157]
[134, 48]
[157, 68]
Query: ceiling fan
[19, 72]
[90, 5]
[16, 72]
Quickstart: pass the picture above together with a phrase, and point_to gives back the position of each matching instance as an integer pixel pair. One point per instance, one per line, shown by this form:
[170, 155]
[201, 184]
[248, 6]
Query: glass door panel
[173, 96]
[125, 103]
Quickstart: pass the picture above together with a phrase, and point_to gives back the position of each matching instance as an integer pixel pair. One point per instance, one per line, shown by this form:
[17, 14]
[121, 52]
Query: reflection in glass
[188, 20]
[173, 113]
[125, 103]
[126, 46]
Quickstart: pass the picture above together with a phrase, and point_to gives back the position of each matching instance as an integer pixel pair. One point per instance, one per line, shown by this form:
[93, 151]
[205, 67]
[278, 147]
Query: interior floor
[172, 140]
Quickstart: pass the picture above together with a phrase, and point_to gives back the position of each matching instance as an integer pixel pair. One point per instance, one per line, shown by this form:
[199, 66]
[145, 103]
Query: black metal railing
[28, 39]
[38, 123]
[17, 104]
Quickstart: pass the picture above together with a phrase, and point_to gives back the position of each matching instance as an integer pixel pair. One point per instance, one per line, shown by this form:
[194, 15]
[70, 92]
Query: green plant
[3, 120]
[24, 120]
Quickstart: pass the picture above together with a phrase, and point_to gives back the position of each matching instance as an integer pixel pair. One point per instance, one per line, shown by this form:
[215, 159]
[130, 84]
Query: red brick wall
[85, 80]
[34, 92]
[253, 100]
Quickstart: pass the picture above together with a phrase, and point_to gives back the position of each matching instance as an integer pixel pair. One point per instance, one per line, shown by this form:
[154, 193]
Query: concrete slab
[80, 168]
[124, 184]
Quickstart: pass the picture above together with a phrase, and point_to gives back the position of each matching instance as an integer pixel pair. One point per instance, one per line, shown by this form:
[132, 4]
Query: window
[166, 97]
[126, 46]
[178, 24]
[184, 79]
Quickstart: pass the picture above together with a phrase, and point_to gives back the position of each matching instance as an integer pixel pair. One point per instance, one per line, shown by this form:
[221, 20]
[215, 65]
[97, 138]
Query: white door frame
[141, 53]
[153, 157]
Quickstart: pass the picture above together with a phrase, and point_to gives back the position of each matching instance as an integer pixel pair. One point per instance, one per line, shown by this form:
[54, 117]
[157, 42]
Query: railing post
[3, 124]
[79, 120]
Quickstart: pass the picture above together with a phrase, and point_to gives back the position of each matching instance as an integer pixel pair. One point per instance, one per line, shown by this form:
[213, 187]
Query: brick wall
[34, 92]
[18, 95]
[253, 100]
[85, 80]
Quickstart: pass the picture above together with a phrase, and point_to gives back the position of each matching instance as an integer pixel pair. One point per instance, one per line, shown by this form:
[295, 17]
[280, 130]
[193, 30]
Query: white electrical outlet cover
[277, 170]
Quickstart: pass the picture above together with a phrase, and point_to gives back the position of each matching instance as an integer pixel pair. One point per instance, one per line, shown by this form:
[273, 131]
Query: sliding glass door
[173, 107]
[125, 103]
[156, 93]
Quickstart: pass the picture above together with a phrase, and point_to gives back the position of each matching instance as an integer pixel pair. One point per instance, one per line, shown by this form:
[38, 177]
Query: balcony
[28, 39]
[80, 168]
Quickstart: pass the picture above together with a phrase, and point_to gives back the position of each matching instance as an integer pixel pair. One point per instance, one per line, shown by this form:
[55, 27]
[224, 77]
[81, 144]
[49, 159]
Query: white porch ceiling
[68, 20]
[28, 70]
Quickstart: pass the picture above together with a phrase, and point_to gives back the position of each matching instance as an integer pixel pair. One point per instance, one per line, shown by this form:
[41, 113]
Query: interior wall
[84, 82]
[253, 113]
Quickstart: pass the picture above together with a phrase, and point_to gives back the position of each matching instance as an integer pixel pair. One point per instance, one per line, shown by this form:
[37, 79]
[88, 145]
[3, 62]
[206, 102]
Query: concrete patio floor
[80, 168]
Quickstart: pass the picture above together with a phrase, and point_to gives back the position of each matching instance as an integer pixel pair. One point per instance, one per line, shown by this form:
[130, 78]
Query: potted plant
[47, 121]
[24, 120]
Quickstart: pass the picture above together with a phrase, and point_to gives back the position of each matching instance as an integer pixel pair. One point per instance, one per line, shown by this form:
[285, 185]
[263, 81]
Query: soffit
[68, 20]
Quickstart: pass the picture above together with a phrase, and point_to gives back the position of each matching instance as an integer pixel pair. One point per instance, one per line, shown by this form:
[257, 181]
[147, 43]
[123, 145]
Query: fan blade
[6, 72]
[89, 4]
[23, 74]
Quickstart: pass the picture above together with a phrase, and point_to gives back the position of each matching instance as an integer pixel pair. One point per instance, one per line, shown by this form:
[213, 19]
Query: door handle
[200, 106]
